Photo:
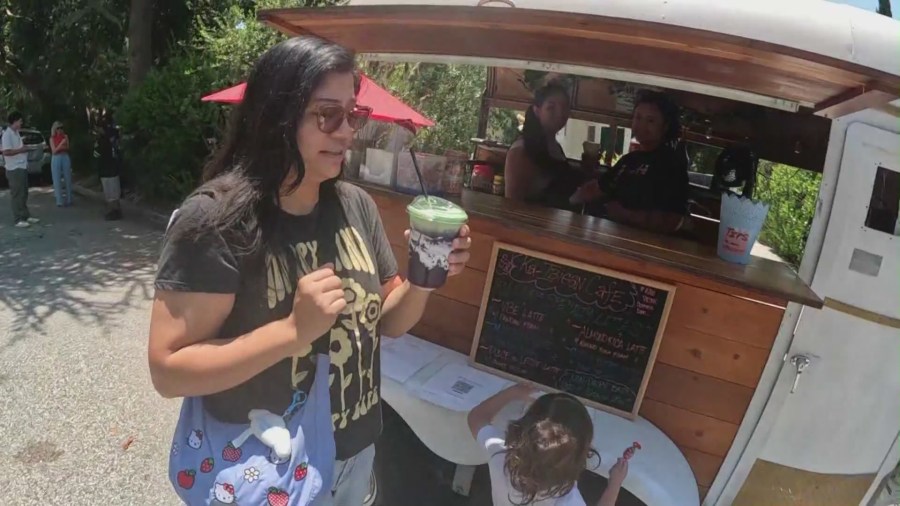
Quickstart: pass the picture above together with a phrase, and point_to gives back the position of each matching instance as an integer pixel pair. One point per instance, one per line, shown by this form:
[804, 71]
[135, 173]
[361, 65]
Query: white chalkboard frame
[651, 361]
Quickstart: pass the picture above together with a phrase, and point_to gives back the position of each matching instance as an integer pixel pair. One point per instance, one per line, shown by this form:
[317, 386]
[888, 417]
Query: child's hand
[618, 473]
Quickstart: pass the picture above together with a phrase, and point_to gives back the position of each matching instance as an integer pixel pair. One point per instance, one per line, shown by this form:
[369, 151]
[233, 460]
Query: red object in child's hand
[629, 452]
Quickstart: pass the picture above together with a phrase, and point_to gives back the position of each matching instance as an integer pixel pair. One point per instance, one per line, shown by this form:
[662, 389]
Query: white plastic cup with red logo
[741, 221]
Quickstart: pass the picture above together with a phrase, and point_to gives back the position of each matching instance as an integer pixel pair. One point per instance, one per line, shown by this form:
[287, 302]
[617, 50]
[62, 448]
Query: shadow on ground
[73, 262]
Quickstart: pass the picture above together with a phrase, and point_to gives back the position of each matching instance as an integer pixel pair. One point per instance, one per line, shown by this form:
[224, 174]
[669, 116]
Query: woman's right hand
[318, 301]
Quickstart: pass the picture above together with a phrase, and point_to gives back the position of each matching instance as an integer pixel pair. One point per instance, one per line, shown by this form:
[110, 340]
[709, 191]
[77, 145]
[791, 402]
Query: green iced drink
[434, 223]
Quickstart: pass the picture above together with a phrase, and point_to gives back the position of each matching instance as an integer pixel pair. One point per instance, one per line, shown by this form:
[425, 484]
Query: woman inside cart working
[647, 188]
[536, 168]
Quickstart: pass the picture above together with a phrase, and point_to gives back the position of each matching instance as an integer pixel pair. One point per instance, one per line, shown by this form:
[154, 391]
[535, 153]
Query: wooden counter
[720, 330]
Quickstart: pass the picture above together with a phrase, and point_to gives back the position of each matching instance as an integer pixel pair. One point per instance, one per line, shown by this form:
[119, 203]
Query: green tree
[791, 194]
[166, 126]
[884, 7]
[140, 41]
[448, 94]
[44, 45]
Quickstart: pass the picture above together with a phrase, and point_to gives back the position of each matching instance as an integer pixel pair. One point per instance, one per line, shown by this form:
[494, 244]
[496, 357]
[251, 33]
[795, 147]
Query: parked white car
[38, 159]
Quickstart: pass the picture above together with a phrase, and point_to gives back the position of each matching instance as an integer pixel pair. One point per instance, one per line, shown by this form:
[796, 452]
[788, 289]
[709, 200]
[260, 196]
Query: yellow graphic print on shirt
[358, 319]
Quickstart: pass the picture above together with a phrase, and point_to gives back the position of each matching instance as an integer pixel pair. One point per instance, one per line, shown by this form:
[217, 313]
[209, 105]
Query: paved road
[74, 298]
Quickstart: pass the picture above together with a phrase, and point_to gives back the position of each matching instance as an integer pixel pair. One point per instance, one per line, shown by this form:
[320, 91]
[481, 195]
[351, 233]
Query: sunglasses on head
[330, 117]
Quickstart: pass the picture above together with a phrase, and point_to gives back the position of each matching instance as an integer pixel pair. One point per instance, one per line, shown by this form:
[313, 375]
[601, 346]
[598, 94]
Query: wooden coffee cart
[729, 327]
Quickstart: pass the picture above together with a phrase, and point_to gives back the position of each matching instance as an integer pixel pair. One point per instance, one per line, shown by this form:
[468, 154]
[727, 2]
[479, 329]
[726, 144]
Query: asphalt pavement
[79, 419]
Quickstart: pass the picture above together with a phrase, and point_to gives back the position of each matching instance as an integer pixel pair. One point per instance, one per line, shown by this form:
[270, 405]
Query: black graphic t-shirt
[650, 181]
[264, 292]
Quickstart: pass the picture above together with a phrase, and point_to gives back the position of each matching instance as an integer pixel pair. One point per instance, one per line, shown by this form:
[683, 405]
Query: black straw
[418, 172]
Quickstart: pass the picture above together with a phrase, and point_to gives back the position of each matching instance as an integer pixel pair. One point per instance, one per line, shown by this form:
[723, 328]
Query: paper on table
[404, 356]
[460, 387]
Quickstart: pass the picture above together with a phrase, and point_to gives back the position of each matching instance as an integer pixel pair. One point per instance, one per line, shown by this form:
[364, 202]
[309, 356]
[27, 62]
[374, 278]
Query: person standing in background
[109, 163]
[15, 155]
[61, 165]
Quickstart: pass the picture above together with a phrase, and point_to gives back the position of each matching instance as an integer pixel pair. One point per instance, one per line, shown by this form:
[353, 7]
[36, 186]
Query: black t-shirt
[364, 261]
[650, 181]
[107, 152]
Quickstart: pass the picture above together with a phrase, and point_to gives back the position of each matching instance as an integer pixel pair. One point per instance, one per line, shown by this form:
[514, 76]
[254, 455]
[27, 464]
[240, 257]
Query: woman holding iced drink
[275, 281]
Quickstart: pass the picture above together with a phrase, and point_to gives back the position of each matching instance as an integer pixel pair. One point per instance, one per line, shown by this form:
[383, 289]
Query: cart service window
[885, 202]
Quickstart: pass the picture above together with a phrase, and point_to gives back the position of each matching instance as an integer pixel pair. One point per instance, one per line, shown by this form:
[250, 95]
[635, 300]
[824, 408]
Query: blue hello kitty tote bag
[276, 460]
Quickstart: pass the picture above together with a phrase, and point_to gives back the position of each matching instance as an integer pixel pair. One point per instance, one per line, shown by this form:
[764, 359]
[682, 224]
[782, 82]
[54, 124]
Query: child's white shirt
[492, 440]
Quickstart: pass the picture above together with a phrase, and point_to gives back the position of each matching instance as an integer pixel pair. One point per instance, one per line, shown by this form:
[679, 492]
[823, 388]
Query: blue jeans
[61, 168]
[352, 477]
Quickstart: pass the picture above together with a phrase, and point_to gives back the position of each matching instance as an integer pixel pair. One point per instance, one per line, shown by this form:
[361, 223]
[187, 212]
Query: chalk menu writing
[576, 328]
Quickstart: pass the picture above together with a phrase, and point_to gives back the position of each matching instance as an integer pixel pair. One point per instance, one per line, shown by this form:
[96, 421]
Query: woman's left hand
[460, 254]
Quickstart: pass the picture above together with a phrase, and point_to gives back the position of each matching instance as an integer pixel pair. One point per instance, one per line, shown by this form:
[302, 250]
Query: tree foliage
[169, 130]
[44, 47]
[792, 194]
[166, 127]
[448, 94]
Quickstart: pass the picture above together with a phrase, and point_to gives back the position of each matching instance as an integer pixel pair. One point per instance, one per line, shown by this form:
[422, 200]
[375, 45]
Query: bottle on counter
[482, 177]
[498, 186]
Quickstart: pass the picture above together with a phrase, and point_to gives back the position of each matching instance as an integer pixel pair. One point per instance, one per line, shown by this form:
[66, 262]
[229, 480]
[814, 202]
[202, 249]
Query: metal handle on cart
[507, 2]
[801, 362]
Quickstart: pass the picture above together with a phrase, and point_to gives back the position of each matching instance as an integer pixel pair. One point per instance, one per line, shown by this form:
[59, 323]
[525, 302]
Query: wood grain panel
[658, 49]
[725, 316]
[704, 465]
[711, 355]
[690, 430]
[541, 24]
[482, 246]
[703, 491]
[668, 62]
[448, 323]
[699, 393]
[466, 287]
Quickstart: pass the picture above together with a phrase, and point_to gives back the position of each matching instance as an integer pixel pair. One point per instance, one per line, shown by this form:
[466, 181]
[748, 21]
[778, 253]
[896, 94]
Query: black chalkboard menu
[569, 326]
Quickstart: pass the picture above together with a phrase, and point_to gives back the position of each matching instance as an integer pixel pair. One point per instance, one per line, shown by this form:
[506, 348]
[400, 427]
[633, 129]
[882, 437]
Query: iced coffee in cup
[434, 223]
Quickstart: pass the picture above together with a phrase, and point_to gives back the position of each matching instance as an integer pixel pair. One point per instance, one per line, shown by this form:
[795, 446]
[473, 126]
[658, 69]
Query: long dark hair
[534, 137]
[253, 166]
[547, 448]
[670, 111]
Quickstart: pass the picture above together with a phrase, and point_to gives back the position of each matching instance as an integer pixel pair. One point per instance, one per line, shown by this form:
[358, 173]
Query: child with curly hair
[540, 457]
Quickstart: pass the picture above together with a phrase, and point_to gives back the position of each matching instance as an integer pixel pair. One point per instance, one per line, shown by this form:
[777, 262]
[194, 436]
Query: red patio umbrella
[385, 107]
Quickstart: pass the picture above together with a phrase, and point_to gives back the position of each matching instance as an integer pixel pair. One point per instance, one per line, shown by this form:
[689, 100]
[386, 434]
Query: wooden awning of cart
[815, 58]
